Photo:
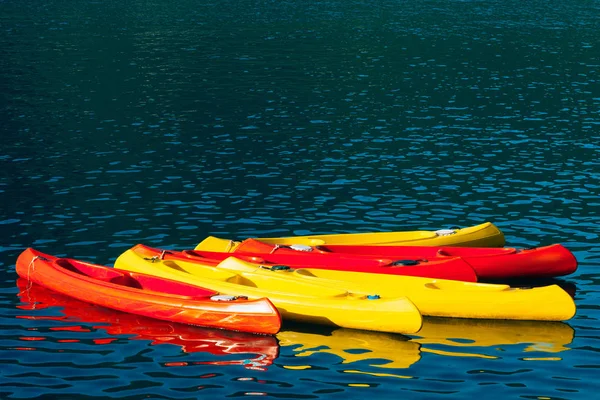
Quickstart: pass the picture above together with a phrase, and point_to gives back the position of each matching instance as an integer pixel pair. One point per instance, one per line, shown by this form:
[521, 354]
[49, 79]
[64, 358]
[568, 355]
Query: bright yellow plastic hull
[446, 298]
[433, 297]
[484, 235]
[300, 300]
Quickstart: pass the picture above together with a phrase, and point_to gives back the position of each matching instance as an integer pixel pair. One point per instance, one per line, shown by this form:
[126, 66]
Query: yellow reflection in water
[297, 367]
[539, 336]
[381, 349]
[449, 337]
[379, 374]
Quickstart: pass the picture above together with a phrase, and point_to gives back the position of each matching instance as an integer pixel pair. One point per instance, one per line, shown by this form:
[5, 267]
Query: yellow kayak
[483, 235]
[303, 301]
[433, 297]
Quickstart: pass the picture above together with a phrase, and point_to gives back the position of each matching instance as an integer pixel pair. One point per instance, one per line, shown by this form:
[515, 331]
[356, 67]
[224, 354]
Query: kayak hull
[486, 263]
[241, 348]
[433, 297]
[483, 235]
[146, 295]
[442, 268]
[489, 263]
[302, 301]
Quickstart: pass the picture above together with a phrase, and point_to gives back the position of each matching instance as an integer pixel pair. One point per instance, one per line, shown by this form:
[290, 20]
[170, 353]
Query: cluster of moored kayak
[383, 281]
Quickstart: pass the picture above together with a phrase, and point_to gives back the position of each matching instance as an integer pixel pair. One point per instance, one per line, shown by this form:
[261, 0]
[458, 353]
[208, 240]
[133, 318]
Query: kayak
[303, 300]
[147, 295]
[483, 235]
[102, 326]
[433, 297]
[486, 263]
[441, 267]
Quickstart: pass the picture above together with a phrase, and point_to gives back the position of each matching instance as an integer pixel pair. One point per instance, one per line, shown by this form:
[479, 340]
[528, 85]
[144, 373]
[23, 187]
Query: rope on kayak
[30, 268]
[229, 246]
[154, 259]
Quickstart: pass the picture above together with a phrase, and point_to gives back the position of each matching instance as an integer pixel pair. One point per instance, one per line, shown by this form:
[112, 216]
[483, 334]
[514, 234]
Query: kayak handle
[276, 267]
[405, 262]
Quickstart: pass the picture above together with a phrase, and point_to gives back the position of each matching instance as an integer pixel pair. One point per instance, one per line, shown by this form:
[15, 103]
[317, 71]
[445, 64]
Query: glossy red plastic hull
[442, 268]
[146, 295]
[254, 351]
[488, 263]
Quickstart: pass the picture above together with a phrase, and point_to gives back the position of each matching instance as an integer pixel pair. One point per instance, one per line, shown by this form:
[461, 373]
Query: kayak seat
[66, 264]
[126, 280]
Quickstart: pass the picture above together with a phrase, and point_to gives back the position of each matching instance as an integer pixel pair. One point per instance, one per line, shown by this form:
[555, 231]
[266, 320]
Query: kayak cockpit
[132, 280]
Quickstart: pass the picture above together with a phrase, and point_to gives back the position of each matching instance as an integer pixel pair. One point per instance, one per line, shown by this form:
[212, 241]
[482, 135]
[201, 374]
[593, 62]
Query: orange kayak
[147, 295]
[240, 348]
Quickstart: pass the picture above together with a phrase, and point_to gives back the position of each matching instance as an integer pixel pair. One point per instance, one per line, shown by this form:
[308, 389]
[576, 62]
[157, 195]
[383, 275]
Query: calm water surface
[163, 122]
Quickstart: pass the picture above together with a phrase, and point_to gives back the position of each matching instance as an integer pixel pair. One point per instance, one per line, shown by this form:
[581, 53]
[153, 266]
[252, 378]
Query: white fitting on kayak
[301, 247]
[223, 297]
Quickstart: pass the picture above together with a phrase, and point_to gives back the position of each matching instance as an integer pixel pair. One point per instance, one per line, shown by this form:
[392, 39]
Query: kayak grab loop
[225, 297]
[373, 297]
[445, 232]
[405, 262]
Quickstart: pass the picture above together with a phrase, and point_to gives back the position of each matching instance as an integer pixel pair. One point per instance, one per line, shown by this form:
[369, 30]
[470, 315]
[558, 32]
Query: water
[164, 122]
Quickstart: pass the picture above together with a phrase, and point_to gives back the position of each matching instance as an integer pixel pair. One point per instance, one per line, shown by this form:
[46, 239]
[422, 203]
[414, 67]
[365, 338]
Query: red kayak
[147, 295]
[442, 268]
[488, 263]
[248, 350]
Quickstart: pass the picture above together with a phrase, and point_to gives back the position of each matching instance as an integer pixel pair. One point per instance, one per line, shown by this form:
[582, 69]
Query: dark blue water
[165, 122]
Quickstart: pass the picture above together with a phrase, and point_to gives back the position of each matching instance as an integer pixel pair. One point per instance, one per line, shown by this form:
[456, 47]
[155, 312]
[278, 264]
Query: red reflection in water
[191, 339]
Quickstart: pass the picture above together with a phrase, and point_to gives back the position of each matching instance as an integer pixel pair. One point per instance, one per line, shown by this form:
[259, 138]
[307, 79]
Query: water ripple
[163, 123]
